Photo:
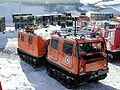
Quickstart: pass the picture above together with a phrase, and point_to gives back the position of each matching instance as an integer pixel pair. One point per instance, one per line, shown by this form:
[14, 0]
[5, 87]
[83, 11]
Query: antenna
[75, 19]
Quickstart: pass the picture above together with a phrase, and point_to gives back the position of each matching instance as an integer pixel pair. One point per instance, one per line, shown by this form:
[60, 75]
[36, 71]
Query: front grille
[94, 60]
[93, 57]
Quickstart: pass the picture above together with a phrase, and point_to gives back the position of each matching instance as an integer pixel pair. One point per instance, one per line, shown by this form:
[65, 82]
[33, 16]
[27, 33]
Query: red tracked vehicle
[111, 32]
[75, 60]
[31, 48]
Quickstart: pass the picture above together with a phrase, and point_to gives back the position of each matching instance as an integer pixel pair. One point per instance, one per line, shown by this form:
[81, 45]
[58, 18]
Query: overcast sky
[52, 1]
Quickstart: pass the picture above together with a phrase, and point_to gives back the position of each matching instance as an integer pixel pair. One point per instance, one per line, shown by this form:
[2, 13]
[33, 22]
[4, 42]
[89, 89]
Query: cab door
[53, 50]
[67, 55]
[30, 43]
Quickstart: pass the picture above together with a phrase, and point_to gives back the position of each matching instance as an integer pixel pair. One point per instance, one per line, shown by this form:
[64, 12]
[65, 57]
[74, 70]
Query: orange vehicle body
[32, 48]
[36, 48]
[81, 64]
[58, 57]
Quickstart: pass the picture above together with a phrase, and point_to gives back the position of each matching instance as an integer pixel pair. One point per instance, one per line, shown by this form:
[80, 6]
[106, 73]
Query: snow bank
[9, 33]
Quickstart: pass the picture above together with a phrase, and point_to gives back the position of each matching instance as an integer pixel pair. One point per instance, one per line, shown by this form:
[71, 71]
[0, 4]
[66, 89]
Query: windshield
[89, 47]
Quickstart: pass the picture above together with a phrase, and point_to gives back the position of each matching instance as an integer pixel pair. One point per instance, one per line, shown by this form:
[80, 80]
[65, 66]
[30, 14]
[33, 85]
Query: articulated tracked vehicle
[71, 58]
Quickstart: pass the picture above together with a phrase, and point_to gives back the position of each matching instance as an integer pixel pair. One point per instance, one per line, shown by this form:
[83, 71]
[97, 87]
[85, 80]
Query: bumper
[93, 75]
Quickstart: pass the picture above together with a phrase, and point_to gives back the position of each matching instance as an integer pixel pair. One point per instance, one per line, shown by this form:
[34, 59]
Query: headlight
[105, 66]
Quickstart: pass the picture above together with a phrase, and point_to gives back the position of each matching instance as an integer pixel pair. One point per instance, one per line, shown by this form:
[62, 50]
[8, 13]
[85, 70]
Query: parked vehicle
[111, 32]
[75, 60]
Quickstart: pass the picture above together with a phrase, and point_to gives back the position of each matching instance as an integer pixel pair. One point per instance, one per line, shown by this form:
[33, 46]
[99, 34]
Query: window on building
[63, 25]
[69, 23]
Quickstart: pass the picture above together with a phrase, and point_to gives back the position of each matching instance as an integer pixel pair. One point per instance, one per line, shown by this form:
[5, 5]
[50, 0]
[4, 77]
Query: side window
[67, 48]
[30, 39]
[54, 44]
[62, 25]
[22, 37]
[69, 23]
[18, 35]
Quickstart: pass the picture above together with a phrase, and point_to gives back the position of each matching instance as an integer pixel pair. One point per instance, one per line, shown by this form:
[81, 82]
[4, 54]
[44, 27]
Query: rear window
[54, 43]
[67, 48]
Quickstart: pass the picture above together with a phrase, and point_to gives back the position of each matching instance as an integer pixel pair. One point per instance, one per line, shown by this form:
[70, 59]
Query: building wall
[2, 24]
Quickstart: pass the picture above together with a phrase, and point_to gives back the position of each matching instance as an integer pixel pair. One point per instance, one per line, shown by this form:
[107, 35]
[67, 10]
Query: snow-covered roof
[46, 32]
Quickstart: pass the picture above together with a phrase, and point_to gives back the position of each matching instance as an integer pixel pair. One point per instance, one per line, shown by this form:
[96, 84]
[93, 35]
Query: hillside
[7, 9]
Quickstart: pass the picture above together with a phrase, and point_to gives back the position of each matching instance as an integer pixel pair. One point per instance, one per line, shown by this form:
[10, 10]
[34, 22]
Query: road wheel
[58, 75]
[63, 78]
[70, 81]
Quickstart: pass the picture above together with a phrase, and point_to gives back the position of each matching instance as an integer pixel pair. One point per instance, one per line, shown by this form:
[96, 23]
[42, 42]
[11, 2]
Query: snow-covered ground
[17, 75]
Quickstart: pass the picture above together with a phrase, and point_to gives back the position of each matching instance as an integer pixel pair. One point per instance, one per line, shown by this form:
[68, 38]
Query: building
[101, 16]
[2, 24]
[22, 20]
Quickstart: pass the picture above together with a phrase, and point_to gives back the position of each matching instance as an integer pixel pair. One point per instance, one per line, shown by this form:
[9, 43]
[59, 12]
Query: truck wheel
[59, 74]
[110, 57]
[63, 78]
[54, 73]
[70, 81]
